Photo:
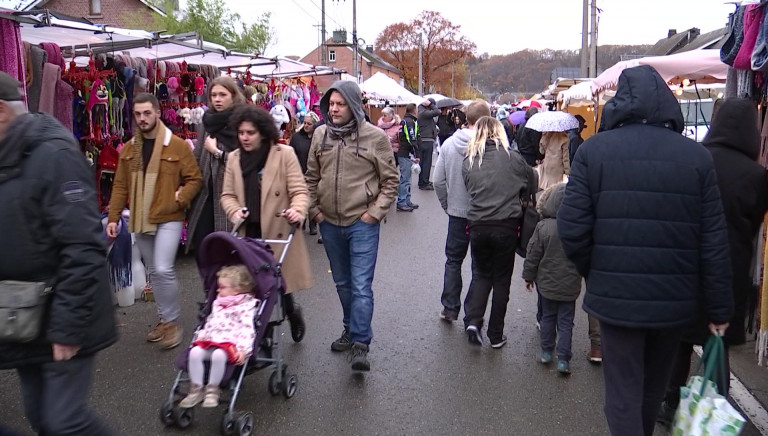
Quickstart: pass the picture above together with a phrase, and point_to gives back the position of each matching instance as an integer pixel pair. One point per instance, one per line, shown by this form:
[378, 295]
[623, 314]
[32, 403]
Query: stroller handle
[287, 241]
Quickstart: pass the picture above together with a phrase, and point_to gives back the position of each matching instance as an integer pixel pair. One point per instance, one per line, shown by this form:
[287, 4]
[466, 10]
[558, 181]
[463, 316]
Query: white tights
[197, 358]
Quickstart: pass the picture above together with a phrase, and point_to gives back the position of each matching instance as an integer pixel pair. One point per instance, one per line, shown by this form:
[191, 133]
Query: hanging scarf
[251, 164]
[142, 188]
[217, 126]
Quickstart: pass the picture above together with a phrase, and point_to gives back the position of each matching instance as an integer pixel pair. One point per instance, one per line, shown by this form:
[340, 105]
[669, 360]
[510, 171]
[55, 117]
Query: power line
[326, 15]
[304, 10]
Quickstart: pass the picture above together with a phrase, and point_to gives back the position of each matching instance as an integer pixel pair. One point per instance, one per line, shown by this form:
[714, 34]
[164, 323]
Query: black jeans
[637, 364]
[427, 146]
[456, 247]
[493, 260]
[55, 397]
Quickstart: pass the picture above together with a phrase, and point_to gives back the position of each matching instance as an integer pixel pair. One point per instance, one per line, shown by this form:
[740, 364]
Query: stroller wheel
[166, 414]
[183, 416]
[289, 386]
[228, 423]
[245, 424]
[275, 384]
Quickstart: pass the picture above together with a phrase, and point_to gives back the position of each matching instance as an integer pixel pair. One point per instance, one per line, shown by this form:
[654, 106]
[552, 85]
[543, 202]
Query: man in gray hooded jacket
[450, 189]
[352, 181]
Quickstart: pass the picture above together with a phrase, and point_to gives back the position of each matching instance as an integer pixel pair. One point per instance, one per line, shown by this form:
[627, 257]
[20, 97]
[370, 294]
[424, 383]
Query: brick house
[341, 55]
[119, 13]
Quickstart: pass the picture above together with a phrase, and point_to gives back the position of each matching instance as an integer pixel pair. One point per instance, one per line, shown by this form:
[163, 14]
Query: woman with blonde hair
[496, 177]
[216, 139]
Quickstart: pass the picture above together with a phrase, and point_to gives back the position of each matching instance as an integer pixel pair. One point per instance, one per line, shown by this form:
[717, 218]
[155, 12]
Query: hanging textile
[12, 52]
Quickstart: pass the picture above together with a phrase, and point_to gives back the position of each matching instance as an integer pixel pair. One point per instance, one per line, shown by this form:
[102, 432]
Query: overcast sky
[495, 26]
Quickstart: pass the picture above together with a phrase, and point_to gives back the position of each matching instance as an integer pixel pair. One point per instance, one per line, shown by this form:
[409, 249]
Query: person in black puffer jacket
[734, 141]
[643, 221]
[52, 233]
[528, 140]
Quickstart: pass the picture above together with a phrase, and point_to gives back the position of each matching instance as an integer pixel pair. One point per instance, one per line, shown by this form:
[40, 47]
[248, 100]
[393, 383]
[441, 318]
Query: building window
[95, 7]
[332, 56]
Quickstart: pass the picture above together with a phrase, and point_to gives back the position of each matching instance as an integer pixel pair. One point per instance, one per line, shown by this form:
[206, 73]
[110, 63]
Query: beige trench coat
[282, 187]
[556, 164]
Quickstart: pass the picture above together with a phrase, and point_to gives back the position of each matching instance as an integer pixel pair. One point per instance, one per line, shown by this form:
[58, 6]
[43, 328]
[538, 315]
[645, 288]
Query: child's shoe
[545, 357]
[563, 367]
[211, 396]
[193, 398]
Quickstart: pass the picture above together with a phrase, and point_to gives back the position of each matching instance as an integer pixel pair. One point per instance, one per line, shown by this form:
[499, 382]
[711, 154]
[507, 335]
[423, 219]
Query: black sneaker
[296, 319]
[473, 335]
[343, 343]
[498, 343]
[413, 205]
[359, 357]
[405, 208]
[449, 315]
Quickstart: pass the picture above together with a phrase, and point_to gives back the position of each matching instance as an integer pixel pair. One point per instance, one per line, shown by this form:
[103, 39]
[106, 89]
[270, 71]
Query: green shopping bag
[703, 411]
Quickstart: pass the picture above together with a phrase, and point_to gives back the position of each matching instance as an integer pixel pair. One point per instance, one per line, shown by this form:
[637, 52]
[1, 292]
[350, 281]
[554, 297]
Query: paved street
[425, 378]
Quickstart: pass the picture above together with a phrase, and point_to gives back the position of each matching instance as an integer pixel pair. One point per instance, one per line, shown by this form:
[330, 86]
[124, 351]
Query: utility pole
[421, 69]
[354, 38]
[453, 79]
[585, 40]
[593, 50]
[323, 50]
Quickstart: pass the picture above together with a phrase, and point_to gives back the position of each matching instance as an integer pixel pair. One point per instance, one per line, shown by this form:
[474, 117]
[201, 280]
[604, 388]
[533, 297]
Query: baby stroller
[221, 249]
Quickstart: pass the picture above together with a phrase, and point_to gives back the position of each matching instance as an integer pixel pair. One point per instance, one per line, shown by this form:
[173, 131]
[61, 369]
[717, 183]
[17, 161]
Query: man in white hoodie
[450, 189]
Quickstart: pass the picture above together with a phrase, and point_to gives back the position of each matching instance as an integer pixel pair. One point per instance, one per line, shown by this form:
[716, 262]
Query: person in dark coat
[446, 124]
[734, 141]
[643, 221]
[574, 137]
[528, 140]
[300, 141]
[53, 232]
[427, 134]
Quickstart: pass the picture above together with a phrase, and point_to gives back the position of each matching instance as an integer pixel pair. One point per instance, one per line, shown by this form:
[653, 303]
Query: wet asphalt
[425, 378]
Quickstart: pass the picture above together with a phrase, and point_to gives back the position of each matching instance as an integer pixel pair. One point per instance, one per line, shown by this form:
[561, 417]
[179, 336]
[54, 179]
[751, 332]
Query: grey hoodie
[351, 93]
[545, 263]
[448, 181]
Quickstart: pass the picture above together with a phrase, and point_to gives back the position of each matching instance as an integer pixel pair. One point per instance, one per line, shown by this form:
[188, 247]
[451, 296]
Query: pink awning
[703, 66]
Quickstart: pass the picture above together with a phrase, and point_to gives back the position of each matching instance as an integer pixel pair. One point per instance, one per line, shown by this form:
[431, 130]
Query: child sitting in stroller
[227, 336]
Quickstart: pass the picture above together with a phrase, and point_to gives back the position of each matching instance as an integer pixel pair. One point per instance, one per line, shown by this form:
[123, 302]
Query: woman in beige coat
[266, 177]
[556, 164]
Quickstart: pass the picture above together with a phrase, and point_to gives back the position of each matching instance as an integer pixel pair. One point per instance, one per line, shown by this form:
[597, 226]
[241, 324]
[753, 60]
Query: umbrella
[517, 118]
[529, 103]
[448, 102]
[552, 121]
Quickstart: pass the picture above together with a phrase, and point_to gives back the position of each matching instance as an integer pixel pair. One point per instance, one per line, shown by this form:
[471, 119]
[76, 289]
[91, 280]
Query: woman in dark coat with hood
[734, 141]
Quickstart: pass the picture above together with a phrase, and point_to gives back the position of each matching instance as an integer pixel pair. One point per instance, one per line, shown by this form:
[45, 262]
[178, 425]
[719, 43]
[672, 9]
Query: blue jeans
[352, 253]
[404, 190]
[456, 247]
[557, 322]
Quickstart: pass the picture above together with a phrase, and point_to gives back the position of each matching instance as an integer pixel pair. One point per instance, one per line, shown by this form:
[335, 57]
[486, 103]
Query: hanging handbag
[22, 309]
[531, 216]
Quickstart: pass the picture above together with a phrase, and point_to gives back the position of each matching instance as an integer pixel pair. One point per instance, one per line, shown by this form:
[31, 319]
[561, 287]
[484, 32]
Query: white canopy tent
[384, 88]
[284, 68]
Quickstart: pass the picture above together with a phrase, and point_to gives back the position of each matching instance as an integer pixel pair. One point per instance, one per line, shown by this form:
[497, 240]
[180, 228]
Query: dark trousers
[557, 323]
[55, 398]
[427, 146]
[681, 370]
[205, 223]
[637, 364]
[456, 247]
[493, 260]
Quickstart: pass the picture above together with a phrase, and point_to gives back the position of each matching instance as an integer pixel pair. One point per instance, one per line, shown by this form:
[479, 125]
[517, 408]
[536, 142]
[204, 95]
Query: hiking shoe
[538, 326]
[498, 343]
[427, 188]
[194, 397]
[545, 357]
[172, 337]
[343, 343]
[666, 415]
[359, 357]
[563, 367]
[157, 333]
[405, 208]
[296, 319]
[473, 335]
[449, 315]
[413, 205]
[211, 398]
[320, 240]
[595, 355]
